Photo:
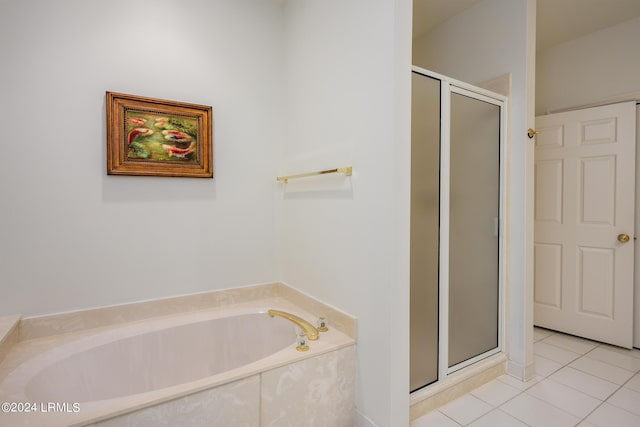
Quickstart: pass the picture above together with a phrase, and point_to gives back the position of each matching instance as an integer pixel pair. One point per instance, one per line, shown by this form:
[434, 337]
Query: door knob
[623, 238]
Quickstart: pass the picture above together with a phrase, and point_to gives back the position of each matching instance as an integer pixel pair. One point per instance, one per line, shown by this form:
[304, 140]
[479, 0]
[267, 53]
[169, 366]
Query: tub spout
[308, 328]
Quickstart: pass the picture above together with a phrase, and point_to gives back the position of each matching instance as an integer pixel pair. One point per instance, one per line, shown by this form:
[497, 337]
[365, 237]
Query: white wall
[331, 78]
[490, 39]
[345, 240]
[591, 69]
[72, 237]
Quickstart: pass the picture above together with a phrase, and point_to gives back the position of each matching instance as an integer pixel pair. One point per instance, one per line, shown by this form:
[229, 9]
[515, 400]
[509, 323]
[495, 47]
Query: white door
[584, 222]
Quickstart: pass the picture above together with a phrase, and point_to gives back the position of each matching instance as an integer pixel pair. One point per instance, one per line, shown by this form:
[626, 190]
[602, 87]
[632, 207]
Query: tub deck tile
[8, 334]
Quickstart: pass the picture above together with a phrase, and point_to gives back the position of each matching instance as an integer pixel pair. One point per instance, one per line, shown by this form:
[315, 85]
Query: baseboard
[523, 373]
[363, 421]
[456, 385]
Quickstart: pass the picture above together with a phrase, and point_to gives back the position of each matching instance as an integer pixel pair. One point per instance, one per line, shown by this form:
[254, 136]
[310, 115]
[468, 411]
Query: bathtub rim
[53, 324]
[96, 411]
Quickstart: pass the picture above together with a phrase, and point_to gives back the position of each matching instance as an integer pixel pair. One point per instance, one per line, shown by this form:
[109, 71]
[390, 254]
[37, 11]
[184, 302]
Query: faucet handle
[322, 324]
[302, 341]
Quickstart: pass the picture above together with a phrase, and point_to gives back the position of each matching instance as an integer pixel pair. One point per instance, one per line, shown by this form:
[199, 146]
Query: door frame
[636, 259]
[627, 98]
[449, 86]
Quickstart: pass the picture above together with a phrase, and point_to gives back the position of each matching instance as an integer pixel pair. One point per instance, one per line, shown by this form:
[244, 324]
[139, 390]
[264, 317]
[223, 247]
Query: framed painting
[155, 137]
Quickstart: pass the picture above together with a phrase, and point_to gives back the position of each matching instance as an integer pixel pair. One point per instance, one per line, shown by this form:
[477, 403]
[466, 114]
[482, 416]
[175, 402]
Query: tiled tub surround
[316, 387]
[8, 334]
[312, 392]
[55, 324]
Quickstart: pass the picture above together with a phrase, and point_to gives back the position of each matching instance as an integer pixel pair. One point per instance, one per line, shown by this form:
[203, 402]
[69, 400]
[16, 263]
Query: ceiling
[558, 21]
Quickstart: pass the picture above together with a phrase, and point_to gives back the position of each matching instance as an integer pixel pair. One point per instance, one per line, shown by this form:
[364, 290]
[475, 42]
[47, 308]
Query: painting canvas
[147, 136]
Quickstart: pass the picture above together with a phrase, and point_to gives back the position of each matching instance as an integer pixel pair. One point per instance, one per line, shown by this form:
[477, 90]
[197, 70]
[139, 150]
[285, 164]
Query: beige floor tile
[495, 392]
[611, 416]
[568, 342]
[536, 412]
[557, 354]
[564, 397]
[466, 409]
[626, 398]
[602, 370]
[586, 383]
[434, 419]
[497, 418]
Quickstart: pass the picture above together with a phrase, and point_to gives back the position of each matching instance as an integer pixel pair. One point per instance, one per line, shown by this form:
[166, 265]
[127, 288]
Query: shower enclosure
[457, 167]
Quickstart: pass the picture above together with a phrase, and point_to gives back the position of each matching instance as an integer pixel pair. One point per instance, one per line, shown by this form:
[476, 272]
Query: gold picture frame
[155, 137]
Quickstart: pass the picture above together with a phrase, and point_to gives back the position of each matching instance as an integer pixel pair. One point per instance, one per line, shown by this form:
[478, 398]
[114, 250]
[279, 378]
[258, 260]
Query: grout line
[573, 386]
[583, 419]
[562, 366]
[450, 418]
[594, 410]
[509, 400]
[552, 372]
[606, 400]
[564, 349]
[558, 407]
[614, 392]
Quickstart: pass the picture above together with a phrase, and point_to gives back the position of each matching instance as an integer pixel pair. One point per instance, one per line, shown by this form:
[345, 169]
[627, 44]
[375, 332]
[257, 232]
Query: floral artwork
[147, 136]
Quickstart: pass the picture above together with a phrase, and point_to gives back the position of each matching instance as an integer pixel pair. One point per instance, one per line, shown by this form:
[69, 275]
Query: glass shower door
[425, 214]
[474, 227]
[457, 134]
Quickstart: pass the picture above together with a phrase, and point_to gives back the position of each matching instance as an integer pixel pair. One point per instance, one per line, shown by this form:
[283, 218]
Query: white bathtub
[138, 361]
[98, 375]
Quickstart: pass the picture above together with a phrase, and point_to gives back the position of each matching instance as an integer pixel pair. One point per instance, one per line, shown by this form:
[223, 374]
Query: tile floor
[578, 383]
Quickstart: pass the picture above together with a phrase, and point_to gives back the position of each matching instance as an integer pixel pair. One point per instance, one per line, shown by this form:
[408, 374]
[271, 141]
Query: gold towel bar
[347, 170]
